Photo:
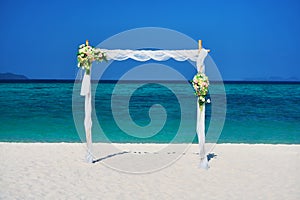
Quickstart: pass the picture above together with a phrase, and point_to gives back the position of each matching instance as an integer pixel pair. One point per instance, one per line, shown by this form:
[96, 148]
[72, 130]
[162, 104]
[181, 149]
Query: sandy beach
[237, 171]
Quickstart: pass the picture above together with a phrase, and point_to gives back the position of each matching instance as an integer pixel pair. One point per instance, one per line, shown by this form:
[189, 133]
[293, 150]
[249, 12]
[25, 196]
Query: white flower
[195, 87]
[82, 46]
[208, 100]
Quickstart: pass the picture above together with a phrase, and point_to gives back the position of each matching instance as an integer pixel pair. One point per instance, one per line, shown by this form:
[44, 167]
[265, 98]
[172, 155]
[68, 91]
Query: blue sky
[248, 39]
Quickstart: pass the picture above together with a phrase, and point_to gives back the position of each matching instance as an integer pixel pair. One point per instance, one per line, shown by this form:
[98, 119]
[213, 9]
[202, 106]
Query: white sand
[57, 171]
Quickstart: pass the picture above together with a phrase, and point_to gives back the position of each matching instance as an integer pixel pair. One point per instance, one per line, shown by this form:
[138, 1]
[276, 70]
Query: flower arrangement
[200, 83]
[87, 54]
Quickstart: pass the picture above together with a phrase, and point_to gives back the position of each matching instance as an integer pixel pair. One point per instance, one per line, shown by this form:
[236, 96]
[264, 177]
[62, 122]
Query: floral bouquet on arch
[87, 54]
[200, 84]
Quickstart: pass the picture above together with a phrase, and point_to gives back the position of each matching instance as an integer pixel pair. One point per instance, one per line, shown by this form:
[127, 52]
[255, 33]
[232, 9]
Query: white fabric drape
[200, 127]
[86, 91]
[144, 55]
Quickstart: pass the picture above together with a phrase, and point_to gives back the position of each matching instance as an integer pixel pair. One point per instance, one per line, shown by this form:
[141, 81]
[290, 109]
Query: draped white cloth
[145, 55]
[86, 91]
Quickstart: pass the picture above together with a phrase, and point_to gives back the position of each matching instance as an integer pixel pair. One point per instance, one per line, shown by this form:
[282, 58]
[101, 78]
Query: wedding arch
[88, 54]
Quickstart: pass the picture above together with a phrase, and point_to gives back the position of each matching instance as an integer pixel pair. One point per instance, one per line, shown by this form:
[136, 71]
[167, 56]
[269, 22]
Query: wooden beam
[200, 45]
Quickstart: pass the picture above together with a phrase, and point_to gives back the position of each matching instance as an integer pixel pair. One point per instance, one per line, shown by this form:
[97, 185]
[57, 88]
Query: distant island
[11, 76]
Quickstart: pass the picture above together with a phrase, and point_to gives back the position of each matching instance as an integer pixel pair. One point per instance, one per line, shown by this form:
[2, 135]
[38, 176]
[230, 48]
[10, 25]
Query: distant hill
[11, 76]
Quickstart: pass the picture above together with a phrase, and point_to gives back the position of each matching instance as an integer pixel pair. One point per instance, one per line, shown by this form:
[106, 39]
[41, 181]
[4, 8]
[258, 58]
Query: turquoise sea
[41, 111]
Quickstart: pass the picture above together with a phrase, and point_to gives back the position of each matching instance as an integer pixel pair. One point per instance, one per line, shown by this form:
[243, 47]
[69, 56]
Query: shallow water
[42, 112]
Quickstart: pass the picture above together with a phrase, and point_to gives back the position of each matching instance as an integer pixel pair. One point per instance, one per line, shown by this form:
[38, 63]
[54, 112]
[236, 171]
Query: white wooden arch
[197, 55]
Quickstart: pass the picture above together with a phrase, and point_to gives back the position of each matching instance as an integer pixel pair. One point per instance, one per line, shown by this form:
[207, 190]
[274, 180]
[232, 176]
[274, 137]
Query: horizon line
[132, 81]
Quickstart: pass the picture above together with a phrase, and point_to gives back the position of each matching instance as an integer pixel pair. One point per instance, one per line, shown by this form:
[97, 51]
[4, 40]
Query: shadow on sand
[209, 156]
[109, 156]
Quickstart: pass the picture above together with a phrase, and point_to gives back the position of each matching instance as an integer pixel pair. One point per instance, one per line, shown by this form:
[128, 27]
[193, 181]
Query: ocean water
[43, 112]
